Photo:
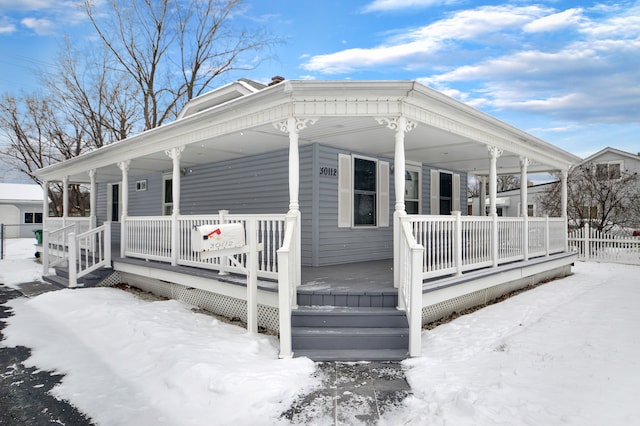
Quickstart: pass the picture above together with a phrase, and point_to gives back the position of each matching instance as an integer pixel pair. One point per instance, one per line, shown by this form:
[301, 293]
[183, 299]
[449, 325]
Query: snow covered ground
[564, 353]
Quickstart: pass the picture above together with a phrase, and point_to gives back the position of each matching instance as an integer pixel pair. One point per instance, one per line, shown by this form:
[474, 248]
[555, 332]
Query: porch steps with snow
[346, 333]
[61, 278]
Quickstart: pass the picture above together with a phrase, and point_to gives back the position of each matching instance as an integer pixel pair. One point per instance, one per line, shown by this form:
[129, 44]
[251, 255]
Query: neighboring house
[20, 209]
[348, 193]
[509, 204]
[614, 166]
[610, 162]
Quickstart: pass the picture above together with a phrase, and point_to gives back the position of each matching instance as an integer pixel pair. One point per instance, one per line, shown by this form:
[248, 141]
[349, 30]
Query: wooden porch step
[61, 278]
[350, 334]
[352, 355]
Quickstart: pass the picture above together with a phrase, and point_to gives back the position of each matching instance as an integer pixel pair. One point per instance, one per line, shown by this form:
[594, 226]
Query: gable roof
[220, 96]
[612, 151]
[20, 192]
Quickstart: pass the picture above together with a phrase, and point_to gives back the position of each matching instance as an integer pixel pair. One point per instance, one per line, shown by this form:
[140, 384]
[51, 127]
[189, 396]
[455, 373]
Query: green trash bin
[38, 233]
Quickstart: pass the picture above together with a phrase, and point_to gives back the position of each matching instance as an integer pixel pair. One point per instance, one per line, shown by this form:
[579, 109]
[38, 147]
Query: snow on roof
[20, 192]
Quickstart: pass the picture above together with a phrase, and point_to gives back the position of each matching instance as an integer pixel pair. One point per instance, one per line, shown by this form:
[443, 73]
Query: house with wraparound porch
[349, 194]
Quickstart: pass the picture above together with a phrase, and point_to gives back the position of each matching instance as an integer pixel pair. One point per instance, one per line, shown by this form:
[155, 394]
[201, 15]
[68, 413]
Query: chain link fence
[12, 231]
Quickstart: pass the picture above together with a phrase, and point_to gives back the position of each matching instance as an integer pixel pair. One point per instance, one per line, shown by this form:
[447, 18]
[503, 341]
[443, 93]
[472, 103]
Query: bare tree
[95, 96]
[605, 202]
[153, 41]
[507, 182]
[38, 135]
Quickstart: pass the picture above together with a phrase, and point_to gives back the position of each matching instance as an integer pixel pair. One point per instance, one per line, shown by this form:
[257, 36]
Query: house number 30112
[328, 171]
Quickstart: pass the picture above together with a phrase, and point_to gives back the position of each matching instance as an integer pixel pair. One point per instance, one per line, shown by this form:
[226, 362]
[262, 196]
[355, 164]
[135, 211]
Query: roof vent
[275, 80]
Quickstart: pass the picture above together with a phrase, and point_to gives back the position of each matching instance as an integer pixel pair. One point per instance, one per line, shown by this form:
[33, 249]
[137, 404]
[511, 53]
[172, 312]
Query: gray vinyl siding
[249, 185]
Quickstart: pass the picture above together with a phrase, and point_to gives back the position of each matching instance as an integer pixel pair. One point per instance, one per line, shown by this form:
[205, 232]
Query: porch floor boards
[363, 284]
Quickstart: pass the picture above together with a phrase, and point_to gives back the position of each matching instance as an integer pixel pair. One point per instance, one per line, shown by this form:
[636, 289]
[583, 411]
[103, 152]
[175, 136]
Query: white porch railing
[591, 244]
[410, 284]
[83, 224]
[89, 251]
[288, 281]
[150, 237]
[443, 255]
[55, 247]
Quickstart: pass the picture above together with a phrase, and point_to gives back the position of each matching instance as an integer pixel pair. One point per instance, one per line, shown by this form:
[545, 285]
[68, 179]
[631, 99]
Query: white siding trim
[435, 192]
[345, 218]
[455, 193]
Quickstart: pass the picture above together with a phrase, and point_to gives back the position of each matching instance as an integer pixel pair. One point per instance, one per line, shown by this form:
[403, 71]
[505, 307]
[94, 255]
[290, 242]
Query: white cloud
[40, 26]
[413, 46]
[386, 5]
[557, 21]
[6, 26]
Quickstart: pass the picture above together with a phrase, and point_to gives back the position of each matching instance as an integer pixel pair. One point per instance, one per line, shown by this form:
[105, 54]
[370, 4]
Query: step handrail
[410, 285]
[94, 246]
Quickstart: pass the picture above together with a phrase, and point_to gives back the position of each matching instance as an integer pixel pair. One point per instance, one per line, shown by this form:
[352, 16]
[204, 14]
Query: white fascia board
[166, 136]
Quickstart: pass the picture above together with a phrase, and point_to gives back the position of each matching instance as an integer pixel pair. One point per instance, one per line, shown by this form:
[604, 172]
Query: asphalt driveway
[24, 397]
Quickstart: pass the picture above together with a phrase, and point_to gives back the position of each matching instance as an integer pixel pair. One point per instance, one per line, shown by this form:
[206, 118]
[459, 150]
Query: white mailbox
[209, 238]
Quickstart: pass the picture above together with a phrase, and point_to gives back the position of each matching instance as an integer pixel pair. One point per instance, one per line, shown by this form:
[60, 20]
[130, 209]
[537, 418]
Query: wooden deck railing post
[494, 240]
[587, 242]
[73, 255]
[284, 304]
[107, 244]
[252, 276]
[458, 242]
[547, 235]
[224, 259]
[415, 324]
[45, 251]
[525, 237]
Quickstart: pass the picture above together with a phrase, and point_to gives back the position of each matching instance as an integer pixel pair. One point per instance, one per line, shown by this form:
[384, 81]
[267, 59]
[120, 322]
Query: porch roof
[449, 134]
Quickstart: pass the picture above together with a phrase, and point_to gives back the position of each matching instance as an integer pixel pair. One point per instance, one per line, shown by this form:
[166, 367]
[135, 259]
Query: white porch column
[92, 199]
[174, 154]
[494, 153]
[563, 193]
[45, 203]
[124, 167]
[45, 232]
[524, 205]
[400, 125]
[65, 200]
[483, 196]
[293, 126]
[563, 206]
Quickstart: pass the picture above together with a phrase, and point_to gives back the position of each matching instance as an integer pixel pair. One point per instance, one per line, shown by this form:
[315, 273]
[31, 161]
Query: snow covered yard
[563, 353]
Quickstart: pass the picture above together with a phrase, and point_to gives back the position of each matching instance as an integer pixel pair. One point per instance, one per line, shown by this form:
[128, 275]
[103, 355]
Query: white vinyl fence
[594, 245]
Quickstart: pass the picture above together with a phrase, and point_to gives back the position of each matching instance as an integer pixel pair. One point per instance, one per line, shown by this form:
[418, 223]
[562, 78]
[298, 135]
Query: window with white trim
[363, 192]
[445, 192]
[31, 217]
[167, 195]
[413, 189]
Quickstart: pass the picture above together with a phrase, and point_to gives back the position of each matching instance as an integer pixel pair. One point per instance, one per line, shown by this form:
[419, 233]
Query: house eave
[324, 99]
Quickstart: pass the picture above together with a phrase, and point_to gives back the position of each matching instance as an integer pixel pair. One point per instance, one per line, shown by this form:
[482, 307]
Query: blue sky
[565, 71]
